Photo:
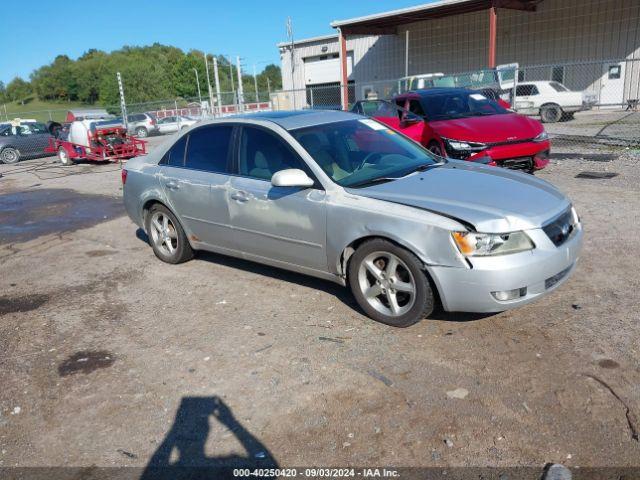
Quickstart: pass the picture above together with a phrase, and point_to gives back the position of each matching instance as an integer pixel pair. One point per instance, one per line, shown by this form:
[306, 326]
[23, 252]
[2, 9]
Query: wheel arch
[551, 104]
[349, 250]
[150, 202]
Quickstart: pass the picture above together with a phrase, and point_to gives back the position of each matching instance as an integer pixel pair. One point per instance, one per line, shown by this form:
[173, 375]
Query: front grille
[560, 228]
[522, 163]
[551, 281]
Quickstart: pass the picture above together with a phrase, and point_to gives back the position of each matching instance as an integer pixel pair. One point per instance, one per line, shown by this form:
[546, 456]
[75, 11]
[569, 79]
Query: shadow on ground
[182, 455]
[341, 293]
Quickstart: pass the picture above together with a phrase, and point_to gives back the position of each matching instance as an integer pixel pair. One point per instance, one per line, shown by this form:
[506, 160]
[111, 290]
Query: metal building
[585, 44]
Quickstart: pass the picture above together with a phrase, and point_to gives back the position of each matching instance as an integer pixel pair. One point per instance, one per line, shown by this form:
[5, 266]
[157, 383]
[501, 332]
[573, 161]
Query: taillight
[123, 173]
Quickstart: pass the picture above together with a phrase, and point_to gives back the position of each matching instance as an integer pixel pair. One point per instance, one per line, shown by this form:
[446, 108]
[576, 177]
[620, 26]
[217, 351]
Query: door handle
[240, 196]
[172, 185]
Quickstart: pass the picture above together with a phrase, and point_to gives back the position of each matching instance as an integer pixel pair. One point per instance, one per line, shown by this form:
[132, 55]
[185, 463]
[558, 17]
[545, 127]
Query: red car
[465, 125]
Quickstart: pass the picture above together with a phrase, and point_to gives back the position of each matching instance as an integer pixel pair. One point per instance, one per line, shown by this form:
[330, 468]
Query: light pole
[198, 83]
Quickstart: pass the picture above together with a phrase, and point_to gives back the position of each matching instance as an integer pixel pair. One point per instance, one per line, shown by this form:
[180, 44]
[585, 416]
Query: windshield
[357, 152]
[459, 104]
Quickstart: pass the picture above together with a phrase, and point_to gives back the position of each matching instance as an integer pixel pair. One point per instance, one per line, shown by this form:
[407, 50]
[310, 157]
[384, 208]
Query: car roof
[537, 82]
[293, 119]
[437, 91]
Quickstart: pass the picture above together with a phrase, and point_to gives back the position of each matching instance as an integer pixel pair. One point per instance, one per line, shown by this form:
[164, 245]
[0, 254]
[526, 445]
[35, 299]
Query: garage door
[325, 68]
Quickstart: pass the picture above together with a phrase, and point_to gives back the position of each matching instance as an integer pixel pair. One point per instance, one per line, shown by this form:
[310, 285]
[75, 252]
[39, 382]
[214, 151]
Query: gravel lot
[109, 357]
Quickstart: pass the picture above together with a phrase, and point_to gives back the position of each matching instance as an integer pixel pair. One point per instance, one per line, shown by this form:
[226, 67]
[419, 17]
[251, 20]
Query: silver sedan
[344, 198]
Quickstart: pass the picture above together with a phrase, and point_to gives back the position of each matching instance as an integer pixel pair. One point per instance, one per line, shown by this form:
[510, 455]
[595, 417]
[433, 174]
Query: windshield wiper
[372, 181]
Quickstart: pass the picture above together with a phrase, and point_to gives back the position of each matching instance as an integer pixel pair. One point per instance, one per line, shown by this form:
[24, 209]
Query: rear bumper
[540, 271]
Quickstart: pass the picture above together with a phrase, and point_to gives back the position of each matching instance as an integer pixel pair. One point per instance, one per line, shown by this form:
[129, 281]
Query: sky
[248, 28]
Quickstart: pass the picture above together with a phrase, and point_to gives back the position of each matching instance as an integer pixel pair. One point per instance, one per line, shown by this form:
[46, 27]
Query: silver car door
[197, 186]
[286, 224]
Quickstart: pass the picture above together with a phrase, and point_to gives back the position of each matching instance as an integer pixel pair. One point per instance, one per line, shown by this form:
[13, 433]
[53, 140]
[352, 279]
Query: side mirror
[411, 118]
[291, 177]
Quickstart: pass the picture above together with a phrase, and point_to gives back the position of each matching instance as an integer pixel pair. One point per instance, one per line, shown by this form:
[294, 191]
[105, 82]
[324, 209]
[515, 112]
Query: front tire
[389, 283]
[9, 155]
[551, 113]
[142, 132]
[166, 236]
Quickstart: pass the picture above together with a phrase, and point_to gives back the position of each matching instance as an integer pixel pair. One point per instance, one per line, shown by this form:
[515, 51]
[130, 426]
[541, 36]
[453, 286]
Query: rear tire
[142, 132]
[166, 236]
[389, 283]
[9, 155]
[551, 113]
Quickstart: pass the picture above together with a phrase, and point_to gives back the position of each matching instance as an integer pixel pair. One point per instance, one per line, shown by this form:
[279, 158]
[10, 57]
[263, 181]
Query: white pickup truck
[551, 100]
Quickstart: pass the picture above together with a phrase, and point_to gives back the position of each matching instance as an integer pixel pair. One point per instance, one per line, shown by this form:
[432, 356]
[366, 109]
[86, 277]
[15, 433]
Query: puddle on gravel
[86, 361]
[608, 363]
[25, 303]
[31, 214]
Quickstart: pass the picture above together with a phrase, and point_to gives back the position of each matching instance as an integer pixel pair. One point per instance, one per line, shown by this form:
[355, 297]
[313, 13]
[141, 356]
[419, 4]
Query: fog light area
[505, 295]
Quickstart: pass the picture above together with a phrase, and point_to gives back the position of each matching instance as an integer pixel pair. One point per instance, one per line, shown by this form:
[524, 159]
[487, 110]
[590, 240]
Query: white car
[174, 124]
[551, 100]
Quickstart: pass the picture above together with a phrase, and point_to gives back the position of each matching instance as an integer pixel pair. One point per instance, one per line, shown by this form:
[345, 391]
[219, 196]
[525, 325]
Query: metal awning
[387, 23]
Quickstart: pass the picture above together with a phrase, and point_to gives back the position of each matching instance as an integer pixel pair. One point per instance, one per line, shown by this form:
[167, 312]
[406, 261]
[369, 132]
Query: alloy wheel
[163, 233]
[387, 283]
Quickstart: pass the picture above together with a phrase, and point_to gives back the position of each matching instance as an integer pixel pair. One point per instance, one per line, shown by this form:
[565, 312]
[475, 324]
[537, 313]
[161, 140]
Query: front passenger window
[262, 154]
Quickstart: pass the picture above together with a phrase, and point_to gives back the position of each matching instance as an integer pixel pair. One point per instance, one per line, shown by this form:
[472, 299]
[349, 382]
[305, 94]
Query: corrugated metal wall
[572, 32]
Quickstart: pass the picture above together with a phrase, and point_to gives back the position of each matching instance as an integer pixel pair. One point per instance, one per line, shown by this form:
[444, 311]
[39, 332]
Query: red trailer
[94, 140]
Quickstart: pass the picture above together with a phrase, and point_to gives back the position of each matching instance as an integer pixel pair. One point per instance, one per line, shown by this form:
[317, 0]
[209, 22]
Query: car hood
[489, 129]
[491, 199]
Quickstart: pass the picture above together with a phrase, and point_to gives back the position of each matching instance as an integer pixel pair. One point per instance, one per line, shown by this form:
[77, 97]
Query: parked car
[345, 198]
[551, 100]
[466, 125]
[25, 140]
[142, 124]
[174, 123]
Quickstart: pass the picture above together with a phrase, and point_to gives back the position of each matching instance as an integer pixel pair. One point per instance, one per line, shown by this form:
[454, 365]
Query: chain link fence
[580, 103]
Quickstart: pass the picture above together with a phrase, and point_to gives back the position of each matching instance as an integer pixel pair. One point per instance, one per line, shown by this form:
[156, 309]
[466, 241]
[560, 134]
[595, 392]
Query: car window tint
[208, 148]
[415, 107]
[525, 90]
[262, 154]
[175, 155]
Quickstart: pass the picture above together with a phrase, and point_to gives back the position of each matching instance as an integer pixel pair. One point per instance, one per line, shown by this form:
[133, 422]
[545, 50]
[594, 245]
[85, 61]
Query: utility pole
[269, 88]
[255, 83]
[240, 88]
[233, 88]
[217, 78]
[293, 65]
[123, 105]
[198, 83]
[206, 66]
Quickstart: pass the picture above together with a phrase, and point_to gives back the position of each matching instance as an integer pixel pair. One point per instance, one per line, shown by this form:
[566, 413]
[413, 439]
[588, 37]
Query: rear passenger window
[208, 148]
[526, 90]
[175, 155]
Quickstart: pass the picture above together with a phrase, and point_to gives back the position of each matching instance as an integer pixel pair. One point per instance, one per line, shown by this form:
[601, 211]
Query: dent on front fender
[427, 235]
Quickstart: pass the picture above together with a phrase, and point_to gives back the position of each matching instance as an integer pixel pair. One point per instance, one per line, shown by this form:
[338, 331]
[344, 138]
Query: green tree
[18, 90]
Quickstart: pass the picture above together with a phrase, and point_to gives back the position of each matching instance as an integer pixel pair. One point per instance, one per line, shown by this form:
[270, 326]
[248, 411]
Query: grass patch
[41, 110]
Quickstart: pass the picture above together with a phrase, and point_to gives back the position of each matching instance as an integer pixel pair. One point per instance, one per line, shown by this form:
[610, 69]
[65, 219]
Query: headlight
[460, 145]
[542, 137]
[472, 244]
